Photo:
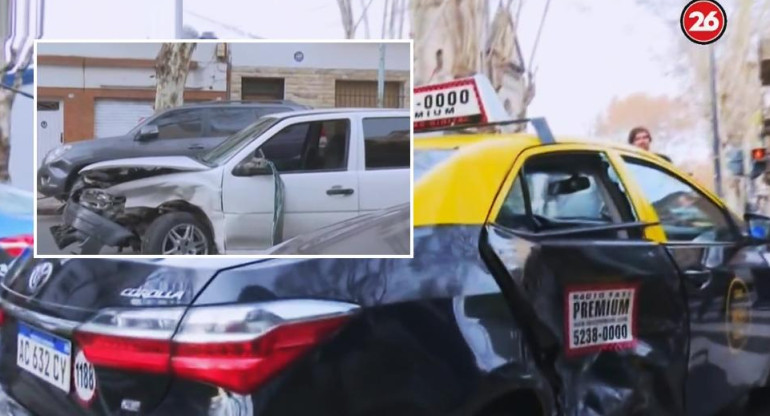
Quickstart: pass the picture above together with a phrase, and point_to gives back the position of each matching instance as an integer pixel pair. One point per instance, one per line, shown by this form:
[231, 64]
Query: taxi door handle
[698, 276]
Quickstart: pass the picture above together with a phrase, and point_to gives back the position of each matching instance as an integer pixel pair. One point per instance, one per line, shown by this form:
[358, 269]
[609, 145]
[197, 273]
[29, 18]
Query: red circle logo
[703, 21]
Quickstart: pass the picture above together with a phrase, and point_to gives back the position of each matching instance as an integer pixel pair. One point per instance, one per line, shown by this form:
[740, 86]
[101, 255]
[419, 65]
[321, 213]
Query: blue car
[16, 224]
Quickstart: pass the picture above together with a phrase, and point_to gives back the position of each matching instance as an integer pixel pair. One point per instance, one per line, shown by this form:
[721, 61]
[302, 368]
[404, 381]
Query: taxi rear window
[565, 190]
[425, 160]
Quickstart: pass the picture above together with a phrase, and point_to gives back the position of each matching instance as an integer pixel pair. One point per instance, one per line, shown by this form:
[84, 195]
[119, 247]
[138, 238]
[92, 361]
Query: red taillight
[14, 246]
[236, 347]
[2, 316]
[243, 366]
[125, 353]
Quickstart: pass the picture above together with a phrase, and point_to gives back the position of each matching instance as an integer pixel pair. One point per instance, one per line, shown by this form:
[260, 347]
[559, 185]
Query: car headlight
[56, 153]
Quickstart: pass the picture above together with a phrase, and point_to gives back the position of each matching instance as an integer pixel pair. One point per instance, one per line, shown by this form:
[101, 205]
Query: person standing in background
[641, 138]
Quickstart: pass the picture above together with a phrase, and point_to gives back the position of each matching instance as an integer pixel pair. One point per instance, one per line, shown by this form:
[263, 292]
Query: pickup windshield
[425, 160]
[233, 144]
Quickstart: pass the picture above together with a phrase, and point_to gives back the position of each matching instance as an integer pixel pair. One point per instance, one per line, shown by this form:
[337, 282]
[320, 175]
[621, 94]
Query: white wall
[210, 75]
[22, 122]
[141, 50]
[95, 19]
[321, 55]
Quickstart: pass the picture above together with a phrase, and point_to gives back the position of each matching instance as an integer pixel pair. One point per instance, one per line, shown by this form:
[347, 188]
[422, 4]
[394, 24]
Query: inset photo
[248, 148]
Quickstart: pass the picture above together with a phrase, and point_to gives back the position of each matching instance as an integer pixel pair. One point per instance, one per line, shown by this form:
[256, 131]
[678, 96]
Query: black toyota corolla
[266, 337]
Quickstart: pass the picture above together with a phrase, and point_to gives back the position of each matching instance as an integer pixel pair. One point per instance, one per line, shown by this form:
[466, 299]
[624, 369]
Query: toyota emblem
[39, 276]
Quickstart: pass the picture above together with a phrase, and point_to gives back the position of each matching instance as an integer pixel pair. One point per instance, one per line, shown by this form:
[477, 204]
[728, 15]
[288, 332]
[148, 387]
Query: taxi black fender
[557, 287]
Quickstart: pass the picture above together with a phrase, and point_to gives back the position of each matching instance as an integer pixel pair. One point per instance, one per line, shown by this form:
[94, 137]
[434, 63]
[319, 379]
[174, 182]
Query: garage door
[117, 117]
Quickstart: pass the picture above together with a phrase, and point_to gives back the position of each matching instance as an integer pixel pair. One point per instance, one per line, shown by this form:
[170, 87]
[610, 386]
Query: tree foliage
[664, 116]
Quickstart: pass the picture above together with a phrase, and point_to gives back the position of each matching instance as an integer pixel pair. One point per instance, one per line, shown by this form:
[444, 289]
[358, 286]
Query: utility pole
[381, 78]
[179, 19]
[715, 123]
[5, 32]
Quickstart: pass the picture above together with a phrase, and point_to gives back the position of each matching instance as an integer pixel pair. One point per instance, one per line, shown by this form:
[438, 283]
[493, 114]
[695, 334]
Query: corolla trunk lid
[47, 302]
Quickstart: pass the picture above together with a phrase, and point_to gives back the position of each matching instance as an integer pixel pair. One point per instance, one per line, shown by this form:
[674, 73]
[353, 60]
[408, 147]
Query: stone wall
[314, 87]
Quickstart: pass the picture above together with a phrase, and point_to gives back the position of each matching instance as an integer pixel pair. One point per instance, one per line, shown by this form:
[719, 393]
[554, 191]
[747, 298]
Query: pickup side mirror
[758, 226]
[148, 133]
[256, 166]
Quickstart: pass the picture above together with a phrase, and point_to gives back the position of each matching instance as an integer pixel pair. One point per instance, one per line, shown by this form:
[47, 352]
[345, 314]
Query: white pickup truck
[287, 174]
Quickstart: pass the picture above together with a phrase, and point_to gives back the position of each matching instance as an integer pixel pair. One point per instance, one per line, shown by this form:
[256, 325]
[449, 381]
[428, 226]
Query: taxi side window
[685, 214]
[564, 190]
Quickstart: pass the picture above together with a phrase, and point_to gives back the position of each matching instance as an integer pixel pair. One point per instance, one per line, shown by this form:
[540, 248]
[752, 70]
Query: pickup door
[384, 175]
[316, 159]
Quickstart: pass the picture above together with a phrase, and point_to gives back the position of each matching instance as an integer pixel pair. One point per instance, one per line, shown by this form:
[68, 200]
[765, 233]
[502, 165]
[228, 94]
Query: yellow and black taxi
[549, 277]
[637, 290]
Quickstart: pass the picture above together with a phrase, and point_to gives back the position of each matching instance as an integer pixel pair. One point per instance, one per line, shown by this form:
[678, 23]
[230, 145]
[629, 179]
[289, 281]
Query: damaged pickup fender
[144, 188]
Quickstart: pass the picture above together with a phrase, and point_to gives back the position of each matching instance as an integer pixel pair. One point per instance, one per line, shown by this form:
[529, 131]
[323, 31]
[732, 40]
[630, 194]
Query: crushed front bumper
[81, 225]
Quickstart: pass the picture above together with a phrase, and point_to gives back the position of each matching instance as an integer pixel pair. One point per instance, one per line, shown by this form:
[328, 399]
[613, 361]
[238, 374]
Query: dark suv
[180, 131]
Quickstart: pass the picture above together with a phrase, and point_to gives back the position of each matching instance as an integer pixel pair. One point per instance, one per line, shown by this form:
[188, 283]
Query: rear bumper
[81, 224]
[9, 406]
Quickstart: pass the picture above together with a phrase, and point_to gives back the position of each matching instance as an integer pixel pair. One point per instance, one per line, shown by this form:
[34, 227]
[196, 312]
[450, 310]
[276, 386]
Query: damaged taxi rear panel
[602, 308]
[608, 320]
[605, 319]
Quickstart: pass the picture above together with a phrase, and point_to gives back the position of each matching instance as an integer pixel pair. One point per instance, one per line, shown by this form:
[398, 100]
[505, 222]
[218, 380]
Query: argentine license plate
[44, 355]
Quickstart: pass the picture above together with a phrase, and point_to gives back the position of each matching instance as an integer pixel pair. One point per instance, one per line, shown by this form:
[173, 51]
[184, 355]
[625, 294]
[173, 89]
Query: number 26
[704, 24]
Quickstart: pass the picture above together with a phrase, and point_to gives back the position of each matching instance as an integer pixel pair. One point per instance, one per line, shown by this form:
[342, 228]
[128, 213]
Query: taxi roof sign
[465, 103]
[461, 102]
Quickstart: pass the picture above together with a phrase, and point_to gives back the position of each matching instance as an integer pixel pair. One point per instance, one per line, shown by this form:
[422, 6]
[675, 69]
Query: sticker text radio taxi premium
[600, 317]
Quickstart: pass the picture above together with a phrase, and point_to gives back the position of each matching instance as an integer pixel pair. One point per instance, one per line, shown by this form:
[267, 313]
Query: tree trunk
[505, 66]
[6, 102]
[448, 44]
[171, 67]
[346, 12]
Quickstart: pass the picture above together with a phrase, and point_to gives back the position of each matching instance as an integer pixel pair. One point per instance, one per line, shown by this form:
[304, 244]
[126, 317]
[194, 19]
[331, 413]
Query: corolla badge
[142, 293]
[39, 276]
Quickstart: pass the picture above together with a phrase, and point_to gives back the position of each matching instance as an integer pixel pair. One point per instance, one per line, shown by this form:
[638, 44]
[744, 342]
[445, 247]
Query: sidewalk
[47, 206]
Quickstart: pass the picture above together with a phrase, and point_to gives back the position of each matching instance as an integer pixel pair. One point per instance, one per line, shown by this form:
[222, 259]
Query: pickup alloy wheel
[176, 233]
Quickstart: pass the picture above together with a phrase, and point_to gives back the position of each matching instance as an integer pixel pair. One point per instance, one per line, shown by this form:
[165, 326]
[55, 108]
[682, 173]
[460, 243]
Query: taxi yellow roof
[462, 188]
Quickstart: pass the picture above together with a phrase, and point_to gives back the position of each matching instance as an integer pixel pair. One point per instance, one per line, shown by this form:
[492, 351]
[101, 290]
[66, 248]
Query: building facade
[321, 74]
[92, 90]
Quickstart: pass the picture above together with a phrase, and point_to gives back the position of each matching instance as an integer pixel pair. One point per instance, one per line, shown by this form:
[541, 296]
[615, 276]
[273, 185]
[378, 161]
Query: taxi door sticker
[737, 314]
[600, 317]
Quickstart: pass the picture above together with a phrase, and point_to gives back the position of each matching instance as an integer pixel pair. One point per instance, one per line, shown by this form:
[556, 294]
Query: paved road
[44, 240]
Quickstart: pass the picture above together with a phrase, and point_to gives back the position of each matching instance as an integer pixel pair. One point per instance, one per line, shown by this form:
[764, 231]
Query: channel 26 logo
[703, 21]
